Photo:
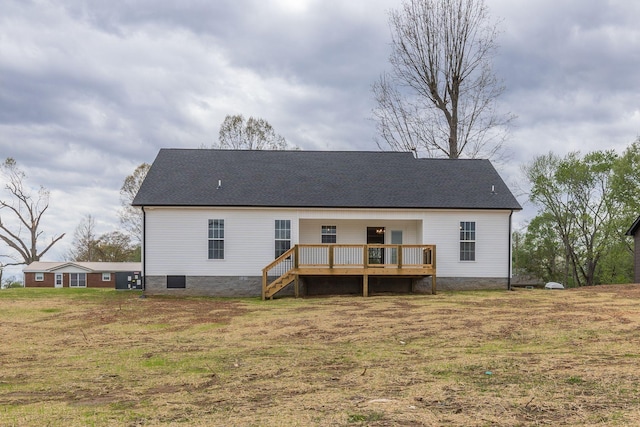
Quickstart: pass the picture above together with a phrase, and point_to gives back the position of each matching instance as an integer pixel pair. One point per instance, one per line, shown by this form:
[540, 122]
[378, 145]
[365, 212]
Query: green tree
[23, 233]
[626, 186]
[116, 247]
[616, 265]
[440, 96]
[577, 196]
[540, 253]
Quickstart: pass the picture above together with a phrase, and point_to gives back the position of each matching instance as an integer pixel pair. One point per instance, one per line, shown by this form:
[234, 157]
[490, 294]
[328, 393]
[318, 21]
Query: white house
[328, 221]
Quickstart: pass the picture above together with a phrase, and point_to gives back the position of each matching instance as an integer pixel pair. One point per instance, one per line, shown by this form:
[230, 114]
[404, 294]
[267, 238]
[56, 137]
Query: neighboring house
[242, 223]
[635, 232]
[118, 275]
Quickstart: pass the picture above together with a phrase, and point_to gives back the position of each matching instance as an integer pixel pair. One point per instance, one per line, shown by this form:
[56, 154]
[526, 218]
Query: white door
[58, 280]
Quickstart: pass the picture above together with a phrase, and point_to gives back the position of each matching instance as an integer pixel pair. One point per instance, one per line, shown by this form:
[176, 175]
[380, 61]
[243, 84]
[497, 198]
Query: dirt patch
[478, 358]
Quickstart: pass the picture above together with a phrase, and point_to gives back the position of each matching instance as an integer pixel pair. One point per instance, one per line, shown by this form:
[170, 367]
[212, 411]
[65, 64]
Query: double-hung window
[467, 241]
[78, 280]
[282, 236]
[216, 239]
[329, 234]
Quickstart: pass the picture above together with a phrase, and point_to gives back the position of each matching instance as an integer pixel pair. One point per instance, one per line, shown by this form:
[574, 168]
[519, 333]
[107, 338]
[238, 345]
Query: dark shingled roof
[634, 227]
[321, 179]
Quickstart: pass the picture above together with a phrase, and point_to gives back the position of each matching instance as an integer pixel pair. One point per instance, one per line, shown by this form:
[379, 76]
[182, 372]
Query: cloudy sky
[91, 89]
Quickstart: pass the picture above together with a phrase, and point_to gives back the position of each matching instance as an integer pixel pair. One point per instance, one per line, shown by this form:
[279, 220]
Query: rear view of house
[118, 275]
[217, 222]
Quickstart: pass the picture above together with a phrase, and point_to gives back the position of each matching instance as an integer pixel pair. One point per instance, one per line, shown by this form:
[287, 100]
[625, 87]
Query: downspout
[510, 254]
[144, 250]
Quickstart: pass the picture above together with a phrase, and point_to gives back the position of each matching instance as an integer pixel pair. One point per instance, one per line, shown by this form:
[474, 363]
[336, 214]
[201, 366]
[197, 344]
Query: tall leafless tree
[251, 134]
[131, 216]
[84, 241]
[22, 233]
[439, 99]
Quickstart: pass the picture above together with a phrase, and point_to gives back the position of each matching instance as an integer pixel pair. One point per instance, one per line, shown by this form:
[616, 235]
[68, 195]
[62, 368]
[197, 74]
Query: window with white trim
[78, 280]
[467, 241]
[282, 236]
[39, 277]
[329, 234]
[216, 239]
[106, 277]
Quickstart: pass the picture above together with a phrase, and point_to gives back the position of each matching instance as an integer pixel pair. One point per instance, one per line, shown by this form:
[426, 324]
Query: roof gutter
[144, 250]
[510, 255]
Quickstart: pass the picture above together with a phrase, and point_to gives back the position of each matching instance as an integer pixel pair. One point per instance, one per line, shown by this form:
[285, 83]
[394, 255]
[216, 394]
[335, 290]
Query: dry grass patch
[99, 357]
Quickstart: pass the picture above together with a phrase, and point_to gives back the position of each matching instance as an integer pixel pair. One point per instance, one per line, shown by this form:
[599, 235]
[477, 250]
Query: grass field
[525, 358]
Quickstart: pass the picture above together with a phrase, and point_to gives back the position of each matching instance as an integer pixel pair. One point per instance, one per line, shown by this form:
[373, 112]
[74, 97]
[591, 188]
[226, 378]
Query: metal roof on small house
[321, 179]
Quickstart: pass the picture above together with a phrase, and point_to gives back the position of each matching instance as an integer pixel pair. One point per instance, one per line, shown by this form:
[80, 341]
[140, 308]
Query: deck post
[365, 256]
[330, 256]
[365, 285]
[399, 257]
[264, 285]
[296, 285]
[433, 266]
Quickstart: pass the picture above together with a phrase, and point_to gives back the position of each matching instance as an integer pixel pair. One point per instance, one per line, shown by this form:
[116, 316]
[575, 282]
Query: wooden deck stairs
[279, 284]
[411, 261]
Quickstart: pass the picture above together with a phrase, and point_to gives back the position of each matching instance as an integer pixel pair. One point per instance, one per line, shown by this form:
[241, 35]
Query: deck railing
[280, 266]
[325, 257]
[365, 256]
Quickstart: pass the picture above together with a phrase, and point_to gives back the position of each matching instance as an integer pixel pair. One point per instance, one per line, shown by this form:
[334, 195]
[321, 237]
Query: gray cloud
[89, 90]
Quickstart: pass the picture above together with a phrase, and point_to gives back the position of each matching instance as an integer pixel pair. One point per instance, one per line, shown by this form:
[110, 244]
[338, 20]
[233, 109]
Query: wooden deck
[409, 261]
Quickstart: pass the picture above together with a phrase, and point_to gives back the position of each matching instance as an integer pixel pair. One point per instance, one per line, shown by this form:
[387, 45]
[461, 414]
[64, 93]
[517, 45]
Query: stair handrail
[292, 252]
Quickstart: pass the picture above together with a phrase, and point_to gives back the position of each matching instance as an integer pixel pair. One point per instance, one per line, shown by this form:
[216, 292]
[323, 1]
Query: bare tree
[131, 216]
[114, 246]
[23, 233]
[440, 96]
[252, 134]
[84, 241]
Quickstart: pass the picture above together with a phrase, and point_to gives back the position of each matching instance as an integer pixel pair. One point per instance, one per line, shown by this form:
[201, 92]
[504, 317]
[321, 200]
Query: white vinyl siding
[355, 230]
[175, 243]
[492, 246]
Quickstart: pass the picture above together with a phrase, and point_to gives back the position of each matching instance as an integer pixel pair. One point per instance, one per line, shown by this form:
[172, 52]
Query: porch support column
[296, 285]
[365, 285]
